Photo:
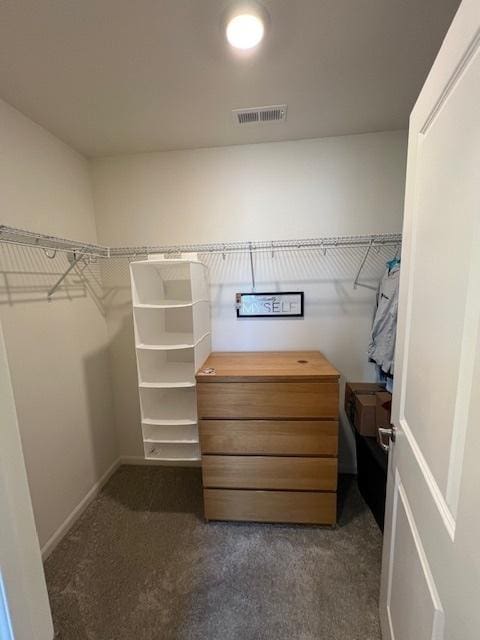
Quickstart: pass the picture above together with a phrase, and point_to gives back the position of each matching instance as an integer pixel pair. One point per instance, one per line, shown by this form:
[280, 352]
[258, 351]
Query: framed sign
[270, 305]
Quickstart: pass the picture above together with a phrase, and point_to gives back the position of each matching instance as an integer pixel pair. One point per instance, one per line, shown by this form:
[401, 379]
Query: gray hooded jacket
[382, 340]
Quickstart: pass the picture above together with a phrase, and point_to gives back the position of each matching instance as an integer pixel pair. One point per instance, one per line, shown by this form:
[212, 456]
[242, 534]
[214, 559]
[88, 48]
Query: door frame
[25, 606]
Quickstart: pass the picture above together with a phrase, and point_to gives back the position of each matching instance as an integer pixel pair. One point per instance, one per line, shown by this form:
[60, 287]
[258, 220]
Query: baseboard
[70, 520]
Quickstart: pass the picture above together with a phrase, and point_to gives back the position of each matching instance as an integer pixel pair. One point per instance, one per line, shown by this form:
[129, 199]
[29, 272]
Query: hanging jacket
[381, 349]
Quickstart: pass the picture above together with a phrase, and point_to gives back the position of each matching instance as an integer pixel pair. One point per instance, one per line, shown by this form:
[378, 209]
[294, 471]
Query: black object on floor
[141, 563]
[372, 465]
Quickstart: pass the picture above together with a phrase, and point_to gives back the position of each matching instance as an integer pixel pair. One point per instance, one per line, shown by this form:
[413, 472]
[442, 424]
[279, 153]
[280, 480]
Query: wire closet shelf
[51, 244]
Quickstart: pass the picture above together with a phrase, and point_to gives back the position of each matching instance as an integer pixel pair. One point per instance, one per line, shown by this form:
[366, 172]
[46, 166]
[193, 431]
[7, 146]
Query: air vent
[259, 115]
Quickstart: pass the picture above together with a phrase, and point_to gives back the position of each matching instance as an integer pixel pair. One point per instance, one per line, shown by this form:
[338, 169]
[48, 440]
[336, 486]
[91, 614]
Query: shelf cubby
[174, 452]
[172, 338]
[170, 432]
[168, 282]
[169, 327]
[168, 405]
[169, 368]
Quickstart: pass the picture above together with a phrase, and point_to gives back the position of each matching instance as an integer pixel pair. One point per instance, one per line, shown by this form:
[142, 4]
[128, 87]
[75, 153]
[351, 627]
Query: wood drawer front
[261, 472]
[270, 506]
[268, 400]
[269, 437]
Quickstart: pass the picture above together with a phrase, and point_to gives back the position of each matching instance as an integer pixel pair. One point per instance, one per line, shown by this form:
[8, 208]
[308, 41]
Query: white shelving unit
[172, 337]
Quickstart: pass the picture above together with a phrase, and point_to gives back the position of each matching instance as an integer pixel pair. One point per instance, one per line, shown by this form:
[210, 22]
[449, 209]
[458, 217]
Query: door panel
[443, 259]
[412, 586]
[431, 561]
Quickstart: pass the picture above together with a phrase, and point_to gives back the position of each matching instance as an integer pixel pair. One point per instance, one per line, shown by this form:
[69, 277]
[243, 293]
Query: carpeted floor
[141, 564]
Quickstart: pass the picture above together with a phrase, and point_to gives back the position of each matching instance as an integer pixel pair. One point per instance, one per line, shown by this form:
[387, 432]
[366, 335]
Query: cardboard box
[383, 409]
[352, 388]
[365, 414]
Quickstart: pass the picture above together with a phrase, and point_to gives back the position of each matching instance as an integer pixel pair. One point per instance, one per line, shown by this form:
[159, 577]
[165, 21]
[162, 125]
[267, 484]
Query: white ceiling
[115, 76]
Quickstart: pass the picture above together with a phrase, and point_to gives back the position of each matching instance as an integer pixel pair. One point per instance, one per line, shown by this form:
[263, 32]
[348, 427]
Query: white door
[24, 607]
[431, 558]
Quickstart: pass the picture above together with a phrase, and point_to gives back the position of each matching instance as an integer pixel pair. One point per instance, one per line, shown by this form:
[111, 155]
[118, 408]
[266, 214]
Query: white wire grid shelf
[51, 244]
[81, 254]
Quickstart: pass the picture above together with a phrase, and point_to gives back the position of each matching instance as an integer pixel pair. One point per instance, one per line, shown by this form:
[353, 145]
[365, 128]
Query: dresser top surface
[264, 366]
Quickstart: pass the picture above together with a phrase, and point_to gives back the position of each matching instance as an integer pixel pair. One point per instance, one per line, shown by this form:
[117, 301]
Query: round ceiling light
[245, 31]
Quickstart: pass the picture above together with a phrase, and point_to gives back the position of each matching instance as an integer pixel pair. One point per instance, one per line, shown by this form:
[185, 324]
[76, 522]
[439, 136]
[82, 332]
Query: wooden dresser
[268, 425]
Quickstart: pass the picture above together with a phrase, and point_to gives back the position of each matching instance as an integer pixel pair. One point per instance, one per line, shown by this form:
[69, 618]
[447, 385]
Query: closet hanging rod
[21, 237]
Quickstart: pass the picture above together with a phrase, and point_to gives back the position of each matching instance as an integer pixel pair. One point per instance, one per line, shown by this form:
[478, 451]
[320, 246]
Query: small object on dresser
[208, 371]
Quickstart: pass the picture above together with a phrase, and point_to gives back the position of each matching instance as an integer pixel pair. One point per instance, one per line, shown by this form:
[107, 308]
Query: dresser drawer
[268, 400]
[261, 472]
[270, 506]
[269, 437]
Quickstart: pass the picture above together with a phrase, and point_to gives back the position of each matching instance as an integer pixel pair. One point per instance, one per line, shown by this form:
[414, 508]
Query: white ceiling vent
[259, 115]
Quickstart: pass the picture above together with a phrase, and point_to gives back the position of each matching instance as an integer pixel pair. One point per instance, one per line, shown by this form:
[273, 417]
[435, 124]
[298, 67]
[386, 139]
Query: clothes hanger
[394, 262]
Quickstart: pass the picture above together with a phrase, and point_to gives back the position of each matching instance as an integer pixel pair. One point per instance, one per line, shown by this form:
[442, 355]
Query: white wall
[309, 188]
[58, 350]
[349, 184]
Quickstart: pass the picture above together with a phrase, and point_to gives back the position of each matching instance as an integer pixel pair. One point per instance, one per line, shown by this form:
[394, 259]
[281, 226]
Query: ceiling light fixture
[245, 31]
[245, 28]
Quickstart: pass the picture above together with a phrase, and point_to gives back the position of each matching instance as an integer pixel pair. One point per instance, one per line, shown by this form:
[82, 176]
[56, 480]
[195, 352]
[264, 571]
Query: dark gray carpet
[141, 564]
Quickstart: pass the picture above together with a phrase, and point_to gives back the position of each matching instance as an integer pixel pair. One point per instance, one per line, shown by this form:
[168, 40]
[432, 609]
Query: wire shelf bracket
[74, 260]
